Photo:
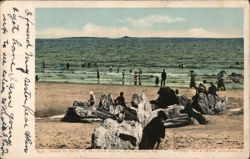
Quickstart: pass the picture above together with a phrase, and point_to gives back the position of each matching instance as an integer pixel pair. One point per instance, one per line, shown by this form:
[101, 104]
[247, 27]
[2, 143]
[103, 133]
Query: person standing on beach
[156, 81]
[182, 66]
[140, 71]
[118, 69]
[123, 76]
[163, 78]
[130, 70]
[43, 65]
[192, 79]
[83, 65]
[110, 68]
[139, 76]
[36, 78]
[135, 78]
[220, 84]
[67, 66]
[98, 76]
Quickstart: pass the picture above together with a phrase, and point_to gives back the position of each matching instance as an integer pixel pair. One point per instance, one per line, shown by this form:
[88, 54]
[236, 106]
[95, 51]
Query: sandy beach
[224, 131]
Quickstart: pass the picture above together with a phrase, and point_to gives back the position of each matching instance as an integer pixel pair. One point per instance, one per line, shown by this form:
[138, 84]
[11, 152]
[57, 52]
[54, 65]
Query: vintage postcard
[124, 79]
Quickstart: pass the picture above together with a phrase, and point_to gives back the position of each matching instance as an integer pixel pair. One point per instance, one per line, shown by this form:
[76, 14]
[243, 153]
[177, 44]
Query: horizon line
[127, 37]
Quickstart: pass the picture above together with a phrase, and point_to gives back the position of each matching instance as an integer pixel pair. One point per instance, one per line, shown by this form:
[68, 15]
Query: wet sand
[224, 131]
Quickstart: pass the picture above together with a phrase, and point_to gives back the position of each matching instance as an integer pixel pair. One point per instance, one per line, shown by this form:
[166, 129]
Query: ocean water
[207, 57]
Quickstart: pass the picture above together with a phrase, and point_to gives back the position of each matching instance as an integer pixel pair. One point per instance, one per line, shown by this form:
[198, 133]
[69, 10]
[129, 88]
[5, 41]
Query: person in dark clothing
[43, 65]
[182, 66]
[220, 83]
[153, 132]
[92, 98]
[67, 66]
[123, 76]
[177, 92]
[139, 79]
[118, 69]
[192, 80]
[139, 76]
[191, 113]
[166, 97]
[120, 100]
[98, 76]
[201, 89]
[110, 68]
[156, 81]
[130, 70]
[140, 71]
[212, 89]
[135, 78]
[195, 103]
[36, 77]
[163, 78]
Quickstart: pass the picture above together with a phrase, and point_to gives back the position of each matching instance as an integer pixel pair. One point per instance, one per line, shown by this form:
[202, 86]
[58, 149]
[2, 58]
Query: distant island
[126, 37]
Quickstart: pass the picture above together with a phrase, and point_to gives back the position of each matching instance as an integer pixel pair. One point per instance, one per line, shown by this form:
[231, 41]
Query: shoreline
[126, 85]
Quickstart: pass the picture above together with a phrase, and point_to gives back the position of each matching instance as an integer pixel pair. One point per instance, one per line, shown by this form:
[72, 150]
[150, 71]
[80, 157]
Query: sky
[139, 22]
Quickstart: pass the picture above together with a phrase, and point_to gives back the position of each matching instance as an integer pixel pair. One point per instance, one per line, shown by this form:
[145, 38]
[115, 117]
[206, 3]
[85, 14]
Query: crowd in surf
[137, 75]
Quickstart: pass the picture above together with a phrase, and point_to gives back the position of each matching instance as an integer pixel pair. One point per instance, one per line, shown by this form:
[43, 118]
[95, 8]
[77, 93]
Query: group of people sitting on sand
[202, 89]
[120, 100]
[220, 80]
[154, 131]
